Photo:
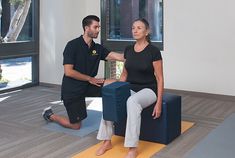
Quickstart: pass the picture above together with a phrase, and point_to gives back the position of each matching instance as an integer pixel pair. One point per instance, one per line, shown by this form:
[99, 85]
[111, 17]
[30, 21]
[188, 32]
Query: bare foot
[132, 153]
[104, 147]
[76, 126]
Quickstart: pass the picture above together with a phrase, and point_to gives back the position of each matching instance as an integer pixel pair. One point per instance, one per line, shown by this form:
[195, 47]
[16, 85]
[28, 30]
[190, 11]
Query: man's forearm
[77, 75]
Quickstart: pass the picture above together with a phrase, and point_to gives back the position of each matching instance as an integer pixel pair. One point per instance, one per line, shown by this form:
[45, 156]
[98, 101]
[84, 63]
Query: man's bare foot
[107, 145]
[76, 126]
[132, 153]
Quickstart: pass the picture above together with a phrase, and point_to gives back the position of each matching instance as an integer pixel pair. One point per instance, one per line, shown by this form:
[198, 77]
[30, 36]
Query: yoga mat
[220, 142]
[145, 149]
[89, 125]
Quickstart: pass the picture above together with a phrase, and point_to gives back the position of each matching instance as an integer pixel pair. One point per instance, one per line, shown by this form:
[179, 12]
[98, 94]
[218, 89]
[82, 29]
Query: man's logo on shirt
[94, 53]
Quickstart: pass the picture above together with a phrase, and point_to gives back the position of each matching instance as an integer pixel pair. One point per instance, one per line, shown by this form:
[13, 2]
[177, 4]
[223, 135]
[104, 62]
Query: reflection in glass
[122, 13]
[15, 72]
[119, 67]
[15, 20]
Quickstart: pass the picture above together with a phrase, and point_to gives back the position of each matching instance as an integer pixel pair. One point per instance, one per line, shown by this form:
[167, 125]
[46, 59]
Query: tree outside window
[15, 20]
[19, 43]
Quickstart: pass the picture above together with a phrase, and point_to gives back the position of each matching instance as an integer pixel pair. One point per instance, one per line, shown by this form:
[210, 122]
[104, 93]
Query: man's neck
[87, 39]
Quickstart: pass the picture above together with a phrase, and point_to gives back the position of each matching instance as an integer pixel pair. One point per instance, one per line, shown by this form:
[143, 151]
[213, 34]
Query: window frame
[25, 48]
[119, 45]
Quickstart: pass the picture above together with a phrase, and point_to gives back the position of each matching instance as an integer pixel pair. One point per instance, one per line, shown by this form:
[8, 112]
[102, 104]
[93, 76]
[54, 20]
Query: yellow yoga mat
[145, 149]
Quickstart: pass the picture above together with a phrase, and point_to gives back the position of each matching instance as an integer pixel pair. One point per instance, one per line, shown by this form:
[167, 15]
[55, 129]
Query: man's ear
[86, 27]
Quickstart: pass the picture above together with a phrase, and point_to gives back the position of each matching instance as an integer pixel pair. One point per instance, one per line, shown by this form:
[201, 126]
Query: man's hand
[96, 81]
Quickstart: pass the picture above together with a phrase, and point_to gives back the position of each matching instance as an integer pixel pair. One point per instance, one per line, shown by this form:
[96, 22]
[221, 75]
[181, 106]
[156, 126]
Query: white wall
[199, 42]
[60, 21]
[199, 45]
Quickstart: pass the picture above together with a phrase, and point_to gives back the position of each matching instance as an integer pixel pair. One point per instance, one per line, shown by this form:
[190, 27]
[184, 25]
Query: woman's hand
[157, 111]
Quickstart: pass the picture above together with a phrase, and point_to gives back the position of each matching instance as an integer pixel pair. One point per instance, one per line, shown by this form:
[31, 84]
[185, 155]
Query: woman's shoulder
[153, 47]
[155, 52]
[129, 47]
[128, 51]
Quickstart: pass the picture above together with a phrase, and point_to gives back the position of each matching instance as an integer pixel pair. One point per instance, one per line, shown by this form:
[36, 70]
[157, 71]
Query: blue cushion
[114, 97]
[162, 130]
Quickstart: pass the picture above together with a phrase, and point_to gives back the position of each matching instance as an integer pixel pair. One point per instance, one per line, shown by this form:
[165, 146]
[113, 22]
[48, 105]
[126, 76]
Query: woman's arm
[158, 71]
[124, 74]
[114, 56]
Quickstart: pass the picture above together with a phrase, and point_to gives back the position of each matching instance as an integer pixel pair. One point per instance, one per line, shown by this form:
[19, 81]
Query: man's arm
[70, 72]
[115, 56]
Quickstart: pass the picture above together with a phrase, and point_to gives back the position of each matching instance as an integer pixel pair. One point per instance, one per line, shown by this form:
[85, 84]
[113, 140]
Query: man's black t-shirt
[139, 66]
[85, 60]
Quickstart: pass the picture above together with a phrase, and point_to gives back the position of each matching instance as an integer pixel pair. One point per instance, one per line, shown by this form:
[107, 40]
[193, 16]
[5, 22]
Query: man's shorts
[76, 107]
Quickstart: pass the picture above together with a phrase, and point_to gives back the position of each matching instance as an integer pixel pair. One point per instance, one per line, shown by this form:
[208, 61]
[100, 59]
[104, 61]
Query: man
[81, 60]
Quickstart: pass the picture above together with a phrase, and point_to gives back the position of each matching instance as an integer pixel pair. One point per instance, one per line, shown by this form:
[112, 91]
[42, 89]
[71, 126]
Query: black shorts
[76, 107]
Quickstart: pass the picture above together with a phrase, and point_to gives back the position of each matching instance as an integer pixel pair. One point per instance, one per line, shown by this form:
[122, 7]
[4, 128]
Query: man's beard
[93, 35]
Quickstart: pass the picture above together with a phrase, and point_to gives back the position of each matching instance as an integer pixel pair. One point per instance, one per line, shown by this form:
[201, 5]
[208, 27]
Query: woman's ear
[148, 31]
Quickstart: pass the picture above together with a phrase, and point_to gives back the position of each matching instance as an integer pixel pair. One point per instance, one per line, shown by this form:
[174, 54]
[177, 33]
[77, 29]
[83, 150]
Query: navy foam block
[114, 97]
[162, 130]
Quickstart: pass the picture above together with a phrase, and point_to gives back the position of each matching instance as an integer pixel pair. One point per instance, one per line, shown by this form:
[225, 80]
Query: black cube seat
[162, 130]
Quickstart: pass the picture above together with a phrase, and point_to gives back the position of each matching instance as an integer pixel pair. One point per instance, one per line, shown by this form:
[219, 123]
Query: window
[15, 72]
[116, 20]
[16, 20]
[118, 15]
[19, 43]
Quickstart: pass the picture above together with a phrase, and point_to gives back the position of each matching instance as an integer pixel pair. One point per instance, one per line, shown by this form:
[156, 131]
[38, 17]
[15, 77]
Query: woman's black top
[139, 66]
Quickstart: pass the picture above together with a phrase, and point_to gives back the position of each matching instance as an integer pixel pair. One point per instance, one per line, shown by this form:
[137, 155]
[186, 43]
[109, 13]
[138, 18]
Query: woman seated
[143, 69]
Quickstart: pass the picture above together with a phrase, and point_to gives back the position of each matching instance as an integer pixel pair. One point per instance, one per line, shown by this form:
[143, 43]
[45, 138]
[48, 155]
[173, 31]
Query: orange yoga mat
[145, 149]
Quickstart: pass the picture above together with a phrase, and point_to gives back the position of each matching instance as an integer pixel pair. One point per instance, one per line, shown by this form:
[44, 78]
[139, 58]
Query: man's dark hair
[87, 21]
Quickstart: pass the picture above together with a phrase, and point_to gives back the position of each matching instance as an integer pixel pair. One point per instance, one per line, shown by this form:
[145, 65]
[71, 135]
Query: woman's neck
[141, 42]
[140, 45]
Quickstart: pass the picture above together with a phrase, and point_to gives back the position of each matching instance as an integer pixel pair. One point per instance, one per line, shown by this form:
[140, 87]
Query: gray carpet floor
[22, 134]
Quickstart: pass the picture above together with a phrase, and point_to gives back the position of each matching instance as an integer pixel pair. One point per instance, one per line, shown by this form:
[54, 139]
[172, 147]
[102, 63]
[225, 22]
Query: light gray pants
[135, 104]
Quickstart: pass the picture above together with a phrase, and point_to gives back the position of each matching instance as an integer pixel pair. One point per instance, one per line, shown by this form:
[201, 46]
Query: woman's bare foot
[107, 145]
[132, 153]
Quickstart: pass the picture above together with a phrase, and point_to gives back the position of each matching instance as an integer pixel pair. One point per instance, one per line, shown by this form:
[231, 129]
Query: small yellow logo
[94, 52]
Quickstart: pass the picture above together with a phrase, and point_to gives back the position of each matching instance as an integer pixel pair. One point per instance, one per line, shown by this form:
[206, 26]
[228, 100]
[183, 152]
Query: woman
[143, 69]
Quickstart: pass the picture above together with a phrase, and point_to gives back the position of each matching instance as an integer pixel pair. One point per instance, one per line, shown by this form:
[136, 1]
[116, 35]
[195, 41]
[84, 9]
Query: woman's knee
[132, 104]
[130, 101]
[109, 81]
[146, 97]
[141, 99]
